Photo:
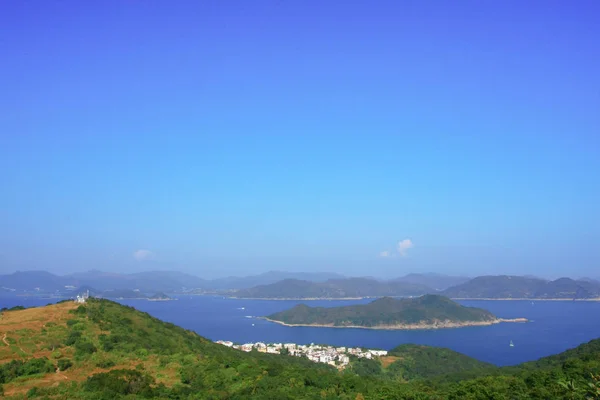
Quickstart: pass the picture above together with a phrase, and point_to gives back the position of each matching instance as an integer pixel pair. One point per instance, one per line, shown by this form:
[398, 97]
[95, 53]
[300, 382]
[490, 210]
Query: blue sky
[234, 137]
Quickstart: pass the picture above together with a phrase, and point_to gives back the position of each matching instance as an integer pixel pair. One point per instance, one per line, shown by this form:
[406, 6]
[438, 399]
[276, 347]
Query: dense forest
[103, 350]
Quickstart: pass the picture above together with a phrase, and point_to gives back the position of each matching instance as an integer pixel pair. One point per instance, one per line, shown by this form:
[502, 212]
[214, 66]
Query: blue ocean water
[555, 326]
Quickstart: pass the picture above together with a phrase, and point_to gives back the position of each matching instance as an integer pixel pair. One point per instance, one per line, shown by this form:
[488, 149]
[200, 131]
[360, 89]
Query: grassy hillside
[387, 311]
[103, 350]
[333, 288]
[117, 345]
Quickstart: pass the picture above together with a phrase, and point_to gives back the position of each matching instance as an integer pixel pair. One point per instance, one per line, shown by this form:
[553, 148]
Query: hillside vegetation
[332, 289]
[428, 310]
[519, 287]
[410, 362]
[103, 350]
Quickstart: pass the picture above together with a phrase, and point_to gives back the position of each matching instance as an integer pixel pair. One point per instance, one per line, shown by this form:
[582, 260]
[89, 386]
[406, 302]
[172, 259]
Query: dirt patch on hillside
[387, 360]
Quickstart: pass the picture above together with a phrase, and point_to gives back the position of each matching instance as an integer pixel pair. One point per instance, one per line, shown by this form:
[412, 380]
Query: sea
[554, 326]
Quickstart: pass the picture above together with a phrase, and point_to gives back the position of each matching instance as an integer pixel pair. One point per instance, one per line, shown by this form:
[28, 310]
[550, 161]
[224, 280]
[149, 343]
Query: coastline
[303, 298]
[521, 299]
[376, 297]
[438, 325]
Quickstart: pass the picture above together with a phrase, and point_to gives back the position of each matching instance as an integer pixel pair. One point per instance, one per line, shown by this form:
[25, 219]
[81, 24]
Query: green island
[425, 312]
[102, 350]
[160, 296]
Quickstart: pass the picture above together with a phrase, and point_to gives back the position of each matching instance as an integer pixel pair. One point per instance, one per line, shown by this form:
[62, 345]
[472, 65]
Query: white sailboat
[511, 344]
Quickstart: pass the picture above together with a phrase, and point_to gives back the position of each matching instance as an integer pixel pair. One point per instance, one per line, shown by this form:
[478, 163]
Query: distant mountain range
[236, 282]
[154, 281]
[434, 281]
[151, 281]
[332, 289]
[303, 285]
[519, 287]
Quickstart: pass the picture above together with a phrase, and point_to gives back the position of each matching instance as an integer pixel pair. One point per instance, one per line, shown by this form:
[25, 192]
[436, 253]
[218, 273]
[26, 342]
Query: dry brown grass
[17, 328]
[35, 318]
[21, 338]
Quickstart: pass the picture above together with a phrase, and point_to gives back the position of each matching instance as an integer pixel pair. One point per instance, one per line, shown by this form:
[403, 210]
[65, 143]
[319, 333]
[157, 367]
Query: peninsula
[425, 312]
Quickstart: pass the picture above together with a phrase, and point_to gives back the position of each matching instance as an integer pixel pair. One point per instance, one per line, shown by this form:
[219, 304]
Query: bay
[554, 326]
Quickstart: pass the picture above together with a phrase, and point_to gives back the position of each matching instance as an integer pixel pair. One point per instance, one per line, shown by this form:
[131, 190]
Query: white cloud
[384, 253]
[404, 245]
[142, 255]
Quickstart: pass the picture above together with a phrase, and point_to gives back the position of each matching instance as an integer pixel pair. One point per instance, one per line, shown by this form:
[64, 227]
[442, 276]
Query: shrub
[64, 364]
[78, 327]
[81, 310]
[121, 382]
[72, 338]
[83, 348]
[105, 364]
[15, 308]
[142, 353]
[17, 368]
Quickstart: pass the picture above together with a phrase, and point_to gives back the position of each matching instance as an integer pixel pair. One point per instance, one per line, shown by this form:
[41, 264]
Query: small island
[160, 296]
[425, 312]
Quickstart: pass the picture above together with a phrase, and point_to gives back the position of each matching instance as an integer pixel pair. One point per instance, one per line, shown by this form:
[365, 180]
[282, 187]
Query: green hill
[519, 287]
[414, 361]
[429, 311]
[160, 296]
[409, 362]
[104, 350]
[332, 289]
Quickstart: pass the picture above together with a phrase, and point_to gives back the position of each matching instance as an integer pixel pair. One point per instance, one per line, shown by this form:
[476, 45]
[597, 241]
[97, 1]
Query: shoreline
[408, 327]
[303, 298]
[520, 299]
[412, 297]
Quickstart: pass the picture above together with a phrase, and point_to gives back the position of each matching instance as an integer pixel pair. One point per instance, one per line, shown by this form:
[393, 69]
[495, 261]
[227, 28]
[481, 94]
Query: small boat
[252, 324]
[511, 344]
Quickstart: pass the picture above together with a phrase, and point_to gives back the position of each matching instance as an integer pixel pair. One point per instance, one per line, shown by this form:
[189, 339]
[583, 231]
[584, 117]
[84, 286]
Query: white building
[247, 347]
[378, 353]
[81, 299]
